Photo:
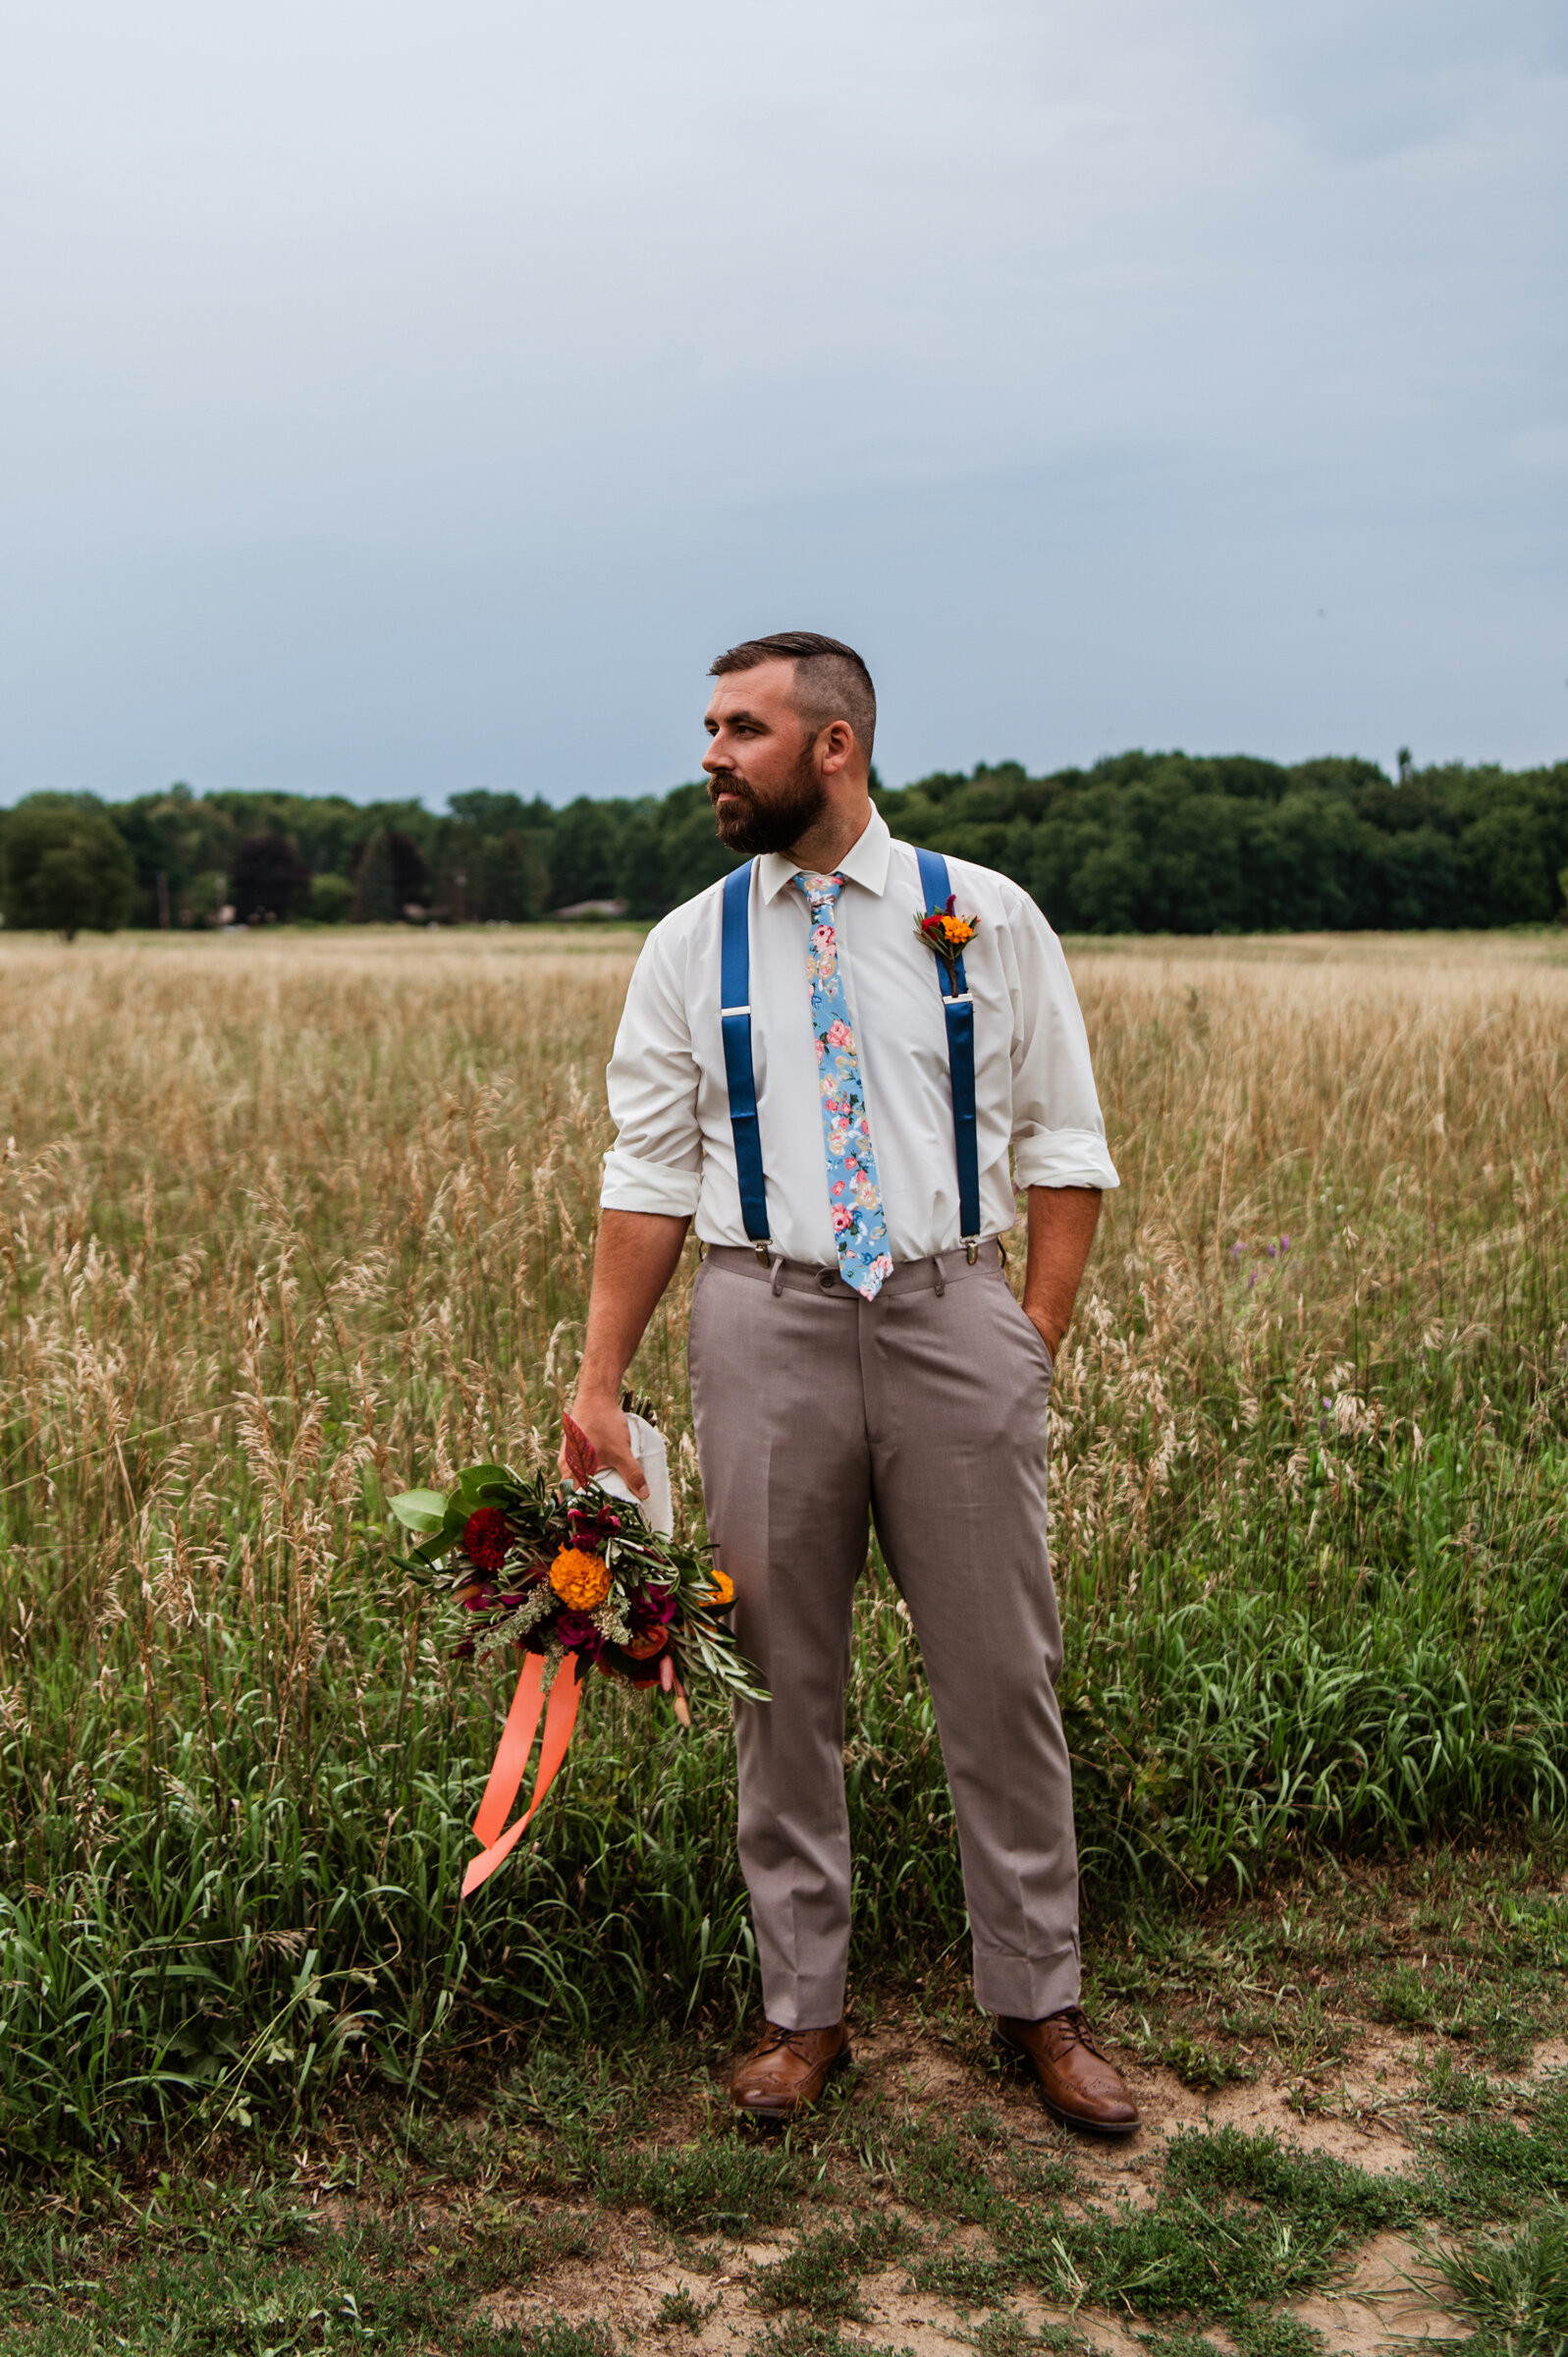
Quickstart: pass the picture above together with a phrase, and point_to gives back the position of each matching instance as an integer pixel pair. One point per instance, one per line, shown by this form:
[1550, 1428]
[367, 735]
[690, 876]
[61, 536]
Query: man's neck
[829, 842]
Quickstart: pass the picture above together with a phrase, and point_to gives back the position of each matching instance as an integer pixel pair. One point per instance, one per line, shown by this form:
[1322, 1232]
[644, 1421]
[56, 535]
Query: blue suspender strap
[735, 1017]
[959, 1013]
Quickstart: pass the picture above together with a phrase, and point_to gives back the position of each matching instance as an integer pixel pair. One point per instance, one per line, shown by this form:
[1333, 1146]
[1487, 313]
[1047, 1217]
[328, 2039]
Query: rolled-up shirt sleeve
[656, 1161]
[1058, 1132]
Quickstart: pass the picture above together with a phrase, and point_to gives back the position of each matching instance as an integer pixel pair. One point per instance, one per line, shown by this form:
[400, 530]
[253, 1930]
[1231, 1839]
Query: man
[855, 1345]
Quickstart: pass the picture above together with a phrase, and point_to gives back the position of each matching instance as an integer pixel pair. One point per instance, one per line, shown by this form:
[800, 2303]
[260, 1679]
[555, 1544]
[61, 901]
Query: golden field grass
[379, 1151]
[405, 1128]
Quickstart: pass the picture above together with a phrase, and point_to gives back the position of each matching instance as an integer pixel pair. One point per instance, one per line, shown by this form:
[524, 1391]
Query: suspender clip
[971, 1244]
[763, 1251]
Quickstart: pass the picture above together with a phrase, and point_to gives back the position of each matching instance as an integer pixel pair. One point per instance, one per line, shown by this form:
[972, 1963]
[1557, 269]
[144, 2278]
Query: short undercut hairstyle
[831, 682]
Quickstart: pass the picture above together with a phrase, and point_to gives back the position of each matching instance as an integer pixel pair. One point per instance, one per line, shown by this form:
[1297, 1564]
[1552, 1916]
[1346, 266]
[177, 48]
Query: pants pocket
[1020, 1317]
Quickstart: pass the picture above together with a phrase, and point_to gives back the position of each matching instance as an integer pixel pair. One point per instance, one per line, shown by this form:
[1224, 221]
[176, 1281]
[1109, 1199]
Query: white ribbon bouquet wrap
[658, 1509]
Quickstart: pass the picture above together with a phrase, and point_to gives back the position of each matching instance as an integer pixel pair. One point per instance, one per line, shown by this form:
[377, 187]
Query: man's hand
[1048, 1335]
[1062, 1228]
[635, 1259]
[605, 1423]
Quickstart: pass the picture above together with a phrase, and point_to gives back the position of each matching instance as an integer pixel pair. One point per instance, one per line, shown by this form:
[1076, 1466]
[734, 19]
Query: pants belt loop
[942, 1274]
[778, 1275]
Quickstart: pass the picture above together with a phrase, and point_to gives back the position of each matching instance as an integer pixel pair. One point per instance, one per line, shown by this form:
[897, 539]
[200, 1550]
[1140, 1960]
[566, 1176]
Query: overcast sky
[399, 398]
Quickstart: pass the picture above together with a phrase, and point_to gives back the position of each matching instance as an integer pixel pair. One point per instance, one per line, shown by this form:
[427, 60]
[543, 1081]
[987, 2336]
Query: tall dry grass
[288, 1221]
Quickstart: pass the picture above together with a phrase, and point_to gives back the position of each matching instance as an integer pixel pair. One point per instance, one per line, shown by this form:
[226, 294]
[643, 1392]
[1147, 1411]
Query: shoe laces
[1075, 2030]
[773, 2037]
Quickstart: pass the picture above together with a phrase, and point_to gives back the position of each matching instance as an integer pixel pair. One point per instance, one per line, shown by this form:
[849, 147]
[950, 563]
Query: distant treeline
[1163, 843]
[1141, 842]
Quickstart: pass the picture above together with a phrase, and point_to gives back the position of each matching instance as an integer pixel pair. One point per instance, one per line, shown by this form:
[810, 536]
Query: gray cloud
[397, 400]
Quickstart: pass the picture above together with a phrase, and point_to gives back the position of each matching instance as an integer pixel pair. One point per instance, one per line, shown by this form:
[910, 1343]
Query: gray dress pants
[927, 1408]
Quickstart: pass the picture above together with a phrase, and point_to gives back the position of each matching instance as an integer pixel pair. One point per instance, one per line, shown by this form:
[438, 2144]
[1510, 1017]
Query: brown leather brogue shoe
[1077, 2084]
[786, 2070]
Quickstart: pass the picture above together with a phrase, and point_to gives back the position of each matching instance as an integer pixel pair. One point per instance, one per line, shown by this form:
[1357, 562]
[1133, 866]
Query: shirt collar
[865, 862]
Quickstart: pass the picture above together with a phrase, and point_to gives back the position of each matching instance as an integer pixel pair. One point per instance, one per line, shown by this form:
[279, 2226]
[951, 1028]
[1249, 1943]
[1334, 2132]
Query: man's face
[763, 779]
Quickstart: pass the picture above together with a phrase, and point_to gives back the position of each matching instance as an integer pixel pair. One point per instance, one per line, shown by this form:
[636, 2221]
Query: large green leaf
[422, 1511]
[484, 1485]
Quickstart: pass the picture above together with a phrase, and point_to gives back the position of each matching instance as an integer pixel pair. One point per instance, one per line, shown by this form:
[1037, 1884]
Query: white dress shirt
[1034, 1088]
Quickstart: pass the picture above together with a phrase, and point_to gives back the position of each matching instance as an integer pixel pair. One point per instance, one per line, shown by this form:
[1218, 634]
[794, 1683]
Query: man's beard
[776, 824]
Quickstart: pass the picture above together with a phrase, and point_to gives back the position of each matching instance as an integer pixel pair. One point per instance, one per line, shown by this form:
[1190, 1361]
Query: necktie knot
[820, 891]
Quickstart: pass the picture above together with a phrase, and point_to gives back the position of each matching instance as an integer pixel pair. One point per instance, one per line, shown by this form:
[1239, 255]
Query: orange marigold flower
[723, 1588]
[958, 930]
[579, 1581]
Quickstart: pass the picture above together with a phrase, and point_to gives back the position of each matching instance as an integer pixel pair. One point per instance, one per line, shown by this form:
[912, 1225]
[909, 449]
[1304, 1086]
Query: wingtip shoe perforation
[786, 2070]
[1078, 2083]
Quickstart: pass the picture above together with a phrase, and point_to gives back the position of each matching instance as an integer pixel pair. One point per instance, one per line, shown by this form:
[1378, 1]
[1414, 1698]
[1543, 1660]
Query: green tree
[66, 866]
[390, 876]
[375, 886]
[517, 879]
[582, 851]
[177, 840]
[460, 873]
[330, 899]
[268, 878]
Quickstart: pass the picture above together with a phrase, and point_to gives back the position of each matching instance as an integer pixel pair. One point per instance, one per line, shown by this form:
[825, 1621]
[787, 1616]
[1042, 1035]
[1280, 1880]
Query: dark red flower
[486, 1537]
[650, 1609]
[578, 1634]
[589, 1530]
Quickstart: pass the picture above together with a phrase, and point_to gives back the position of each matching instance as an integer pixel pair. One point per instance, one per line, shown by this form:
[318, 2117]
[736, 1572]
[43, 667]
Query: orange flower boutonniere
[947, 934]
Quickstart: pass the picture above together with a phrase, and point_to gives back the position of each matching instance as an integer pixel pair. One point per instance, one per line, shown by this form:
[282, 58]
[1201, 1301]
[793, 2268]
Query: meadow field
[292, 1221]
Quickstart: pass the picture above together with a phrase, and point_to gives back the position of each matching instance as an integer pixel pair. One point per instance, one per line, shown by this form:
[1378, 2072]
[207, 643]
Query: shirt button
[827, 1279]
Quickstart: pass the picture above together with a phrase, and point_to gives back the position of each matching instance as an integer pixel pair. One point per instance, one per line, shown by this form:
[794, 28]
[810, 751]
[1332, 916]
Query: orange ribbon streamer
[512, 1758]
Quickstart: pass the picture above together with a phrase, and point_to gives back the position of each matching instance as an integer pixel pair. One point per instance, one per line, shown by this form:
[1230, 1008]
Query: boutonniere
[947, 934]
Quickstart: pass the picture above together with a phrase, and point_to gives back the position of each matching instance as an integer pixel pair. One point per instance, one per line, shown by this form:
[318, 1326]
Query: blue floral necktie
[853, 1194]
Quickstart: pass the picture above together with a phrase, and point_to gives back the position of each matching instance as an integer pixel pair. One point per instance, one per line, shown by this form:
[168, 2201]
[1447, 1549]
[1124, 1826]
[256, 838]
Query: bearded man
[830, 1082]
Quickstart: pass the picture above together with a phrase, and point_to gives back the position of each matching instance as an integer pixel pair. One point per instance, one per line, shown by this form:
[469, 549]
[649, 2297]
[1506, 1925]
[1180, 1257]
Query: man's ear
[836, 746]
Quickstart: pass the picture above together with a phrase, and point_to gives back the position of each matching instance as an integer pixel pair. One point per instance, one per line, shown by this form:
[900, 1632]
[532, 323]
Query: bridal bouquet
[575, 1579]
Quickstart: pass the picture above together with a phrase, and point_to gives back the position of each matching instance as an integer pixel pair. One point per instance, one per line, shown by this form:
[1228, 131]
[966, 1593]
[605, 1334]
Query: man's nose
[715, 758]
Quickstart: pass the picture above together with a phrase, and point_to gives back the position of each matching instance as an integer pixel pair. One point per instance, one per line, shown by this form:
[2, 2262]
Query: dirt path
[715, 2296]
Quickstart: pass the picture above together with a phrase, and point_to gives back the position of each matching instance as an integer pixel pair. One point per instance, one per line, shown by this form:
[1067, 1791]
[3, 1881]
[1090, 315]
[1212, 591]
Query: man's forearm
[1062, 1228]
[635, 1261]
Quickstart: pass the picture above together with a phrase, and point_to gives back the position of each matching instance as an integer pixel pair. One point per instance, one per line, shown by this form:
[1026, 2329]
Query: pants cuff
[1026, 1989]
[806, 2005]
